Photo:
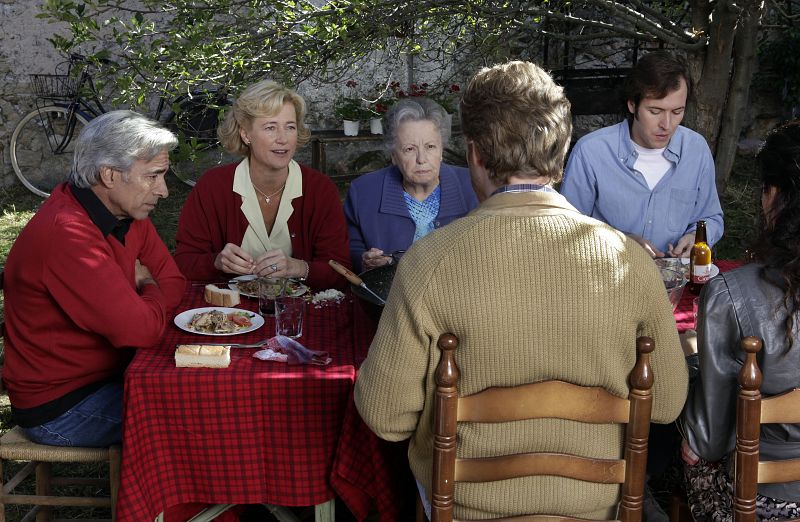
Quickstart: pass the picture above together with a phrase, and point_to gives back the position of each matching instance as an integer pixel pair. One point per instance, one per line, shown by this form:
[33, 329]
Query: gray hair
[117, 139]
[414, 109]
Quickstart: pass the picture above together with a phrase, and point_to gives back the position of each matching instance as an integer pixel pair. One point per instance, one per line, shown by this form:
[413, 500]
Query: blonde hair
[519, 120]
[262, 99]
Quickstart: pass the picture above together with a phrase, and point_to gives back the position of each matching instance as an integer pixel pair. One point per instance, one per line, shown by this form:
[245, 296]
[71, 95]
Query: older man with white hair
[88, 280]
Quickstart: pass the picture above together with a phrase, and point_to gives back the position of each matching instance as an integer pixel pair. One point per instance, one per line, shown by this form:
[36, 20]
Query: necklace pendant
[266, 199]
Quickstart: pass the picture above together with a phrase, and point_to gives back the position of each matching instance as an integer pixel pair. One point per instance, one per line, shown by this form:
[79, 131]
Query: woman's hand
[689, 457]
[373, 258]
[234, 260]
[277, 264]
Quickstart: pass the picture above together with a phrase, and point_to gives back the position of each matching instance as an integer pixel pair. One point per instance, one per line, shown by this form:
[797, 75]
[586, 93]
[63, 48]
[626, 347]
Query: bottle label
[701, 273]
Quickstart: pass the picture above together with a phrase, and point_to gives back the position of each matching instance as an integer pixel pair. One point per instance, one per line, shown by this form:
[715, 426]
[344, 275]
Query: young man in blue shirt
[648, 176]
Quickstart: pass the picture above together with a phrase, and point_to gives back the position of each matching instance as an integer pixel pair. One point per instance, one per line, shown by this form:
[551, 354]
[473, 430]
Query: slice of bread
[202, 356]
[221, 296]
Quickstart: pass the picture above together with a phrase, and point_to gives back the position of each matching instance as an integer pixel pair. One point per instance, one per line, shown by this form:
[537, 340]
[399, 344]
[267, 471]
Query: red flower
[380, 108]
[454, 88]
[351, 83]
[401, 94]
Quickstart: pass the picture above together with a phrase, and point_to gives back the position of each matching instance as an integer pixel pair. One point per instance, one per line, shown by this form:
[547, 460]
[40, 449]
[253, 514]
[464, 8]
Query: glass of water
[269, 288]
[290, 314]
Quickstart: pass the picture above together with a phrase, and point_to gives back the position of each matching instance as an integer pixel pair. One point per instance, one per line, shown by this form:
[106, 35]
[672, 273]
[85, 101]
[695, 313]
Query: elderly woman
[267, 215]
[761, 299]
[389, 209]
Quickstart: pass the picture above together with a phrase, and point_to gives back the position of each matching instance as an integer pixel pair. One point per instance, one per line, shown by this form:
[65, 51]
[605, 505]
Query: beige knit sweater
[534, 290]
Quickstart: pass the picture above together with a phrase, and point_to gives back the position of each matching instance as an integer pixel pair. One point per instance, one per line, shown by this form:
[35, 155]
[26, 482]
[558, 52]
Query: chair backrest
[751, 412]
[547, 399]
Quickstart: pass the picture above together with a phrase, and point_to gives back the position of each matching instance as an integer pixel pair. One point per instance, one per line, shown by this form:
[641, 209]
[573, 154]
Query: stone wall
[24, 49]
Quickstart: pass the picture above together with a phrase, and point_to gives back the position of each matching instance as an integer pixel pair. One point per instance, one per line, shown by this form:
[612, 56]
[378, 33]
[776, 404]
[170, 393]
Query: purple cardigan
[377, 215]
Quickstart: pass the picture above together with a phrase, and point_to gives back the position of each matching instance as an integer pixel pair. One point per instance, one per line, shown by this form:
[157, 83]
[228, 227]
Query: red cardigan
[212, 217]
[71, 305]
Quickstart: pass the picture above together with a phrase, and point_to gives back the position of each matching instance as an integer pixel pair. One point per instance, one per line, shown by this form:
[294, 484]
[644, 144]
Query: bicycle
[42, 142]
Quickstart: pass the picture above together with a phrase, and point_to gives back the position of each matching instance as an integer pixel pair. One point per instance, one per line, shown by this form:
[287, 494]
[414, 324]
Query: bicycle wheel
[190, 160]
[195, 121]
[42, 146]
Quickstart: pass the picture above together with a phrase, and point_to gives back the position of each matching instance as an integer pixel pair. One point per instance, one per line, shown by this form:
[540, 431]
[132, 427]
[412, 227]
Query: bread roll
[202, 356]
[221, 296]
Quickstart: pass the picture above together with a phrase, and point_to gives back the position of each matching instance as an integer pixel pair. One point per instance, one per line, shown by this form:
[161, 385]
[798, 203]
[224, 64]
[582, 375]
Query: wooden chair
[548, 399]
[751, 412]
[39, 459]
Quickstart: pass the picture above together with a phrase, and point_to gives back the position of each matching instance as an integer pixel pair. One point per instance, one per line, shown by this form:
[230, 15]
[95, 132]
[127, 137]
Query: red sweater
[212, 217]
[71, 305]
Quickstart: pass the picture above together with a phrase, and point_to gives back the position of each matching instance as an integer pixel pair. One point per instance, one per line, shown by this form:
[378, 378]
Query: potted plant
[448, 99]
[377, 110]
[350, 108]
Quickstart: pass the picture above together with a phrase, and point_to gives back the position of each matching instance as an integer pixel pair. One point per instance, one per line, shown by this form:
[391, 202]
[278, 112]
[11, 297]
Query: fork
[259, 344]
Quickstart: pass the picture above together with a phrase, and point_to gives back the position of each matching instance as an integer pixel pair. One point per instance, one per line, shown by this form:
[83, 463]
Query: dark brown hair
[777, 245]
[656, 75]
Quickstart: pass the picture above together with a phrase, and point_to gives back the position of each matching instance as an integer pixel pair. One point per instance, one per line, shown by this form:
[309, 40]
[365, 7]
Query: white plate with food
[218, 320]
[248, 286]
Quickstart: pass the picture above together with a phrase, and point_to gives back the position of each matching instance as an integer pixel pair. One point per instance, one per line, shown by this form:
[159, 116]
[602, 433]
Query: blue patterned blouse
[423, 212]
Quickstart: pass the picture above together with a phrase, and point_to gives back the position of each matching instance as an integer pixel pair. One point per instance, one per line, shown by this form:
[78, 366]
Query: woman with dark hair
[389, 209]
[761, 299]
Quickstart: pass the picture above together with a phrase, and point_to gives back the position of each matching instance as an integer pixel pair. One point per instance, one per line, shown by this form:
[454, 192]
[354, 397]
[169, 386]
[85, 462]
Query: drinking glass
[289, 316]
[268, 289]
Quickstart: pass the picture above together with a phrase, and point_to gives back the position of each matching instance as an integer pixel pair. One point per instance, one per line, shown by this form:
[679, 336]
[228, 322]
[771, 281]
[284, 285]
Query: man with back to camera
[648, 176]
[534, 290]
[88, 279]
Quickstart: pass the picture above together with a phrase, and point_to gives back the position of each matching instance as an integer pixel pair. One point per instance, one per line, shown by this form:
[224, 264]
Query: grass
[741, 204]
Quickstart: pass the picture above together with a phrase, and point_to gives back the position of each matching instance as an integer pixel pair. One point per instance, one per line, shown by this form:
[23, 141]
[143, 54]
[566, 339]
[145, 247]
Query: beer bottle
[699, 259]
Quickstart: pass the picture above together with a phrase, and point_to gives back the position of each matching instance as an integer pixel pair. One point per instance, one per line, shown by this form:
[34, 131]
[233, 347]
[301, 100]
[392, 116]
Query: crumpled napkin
[283, 349]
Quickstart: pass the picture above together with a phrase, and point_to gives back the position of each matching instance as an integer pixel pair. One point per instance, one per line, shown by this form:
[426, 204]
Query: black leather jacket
[733, 305]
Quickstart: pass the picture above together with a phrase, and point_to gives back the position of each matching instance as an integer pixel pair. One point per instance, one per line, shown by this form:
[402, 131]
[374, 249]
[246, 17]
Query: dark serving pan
[379, 280]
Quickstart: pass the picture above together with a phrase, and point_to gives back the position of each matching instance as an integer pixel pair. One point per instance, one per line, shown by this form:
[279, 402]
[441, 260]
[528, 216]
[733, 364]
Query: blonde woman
[267, 215]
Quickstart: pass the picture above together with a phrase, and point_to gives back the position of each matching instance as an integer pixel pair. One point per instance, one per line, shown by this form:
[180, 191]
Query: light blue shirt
[423, 213]
[600, 182]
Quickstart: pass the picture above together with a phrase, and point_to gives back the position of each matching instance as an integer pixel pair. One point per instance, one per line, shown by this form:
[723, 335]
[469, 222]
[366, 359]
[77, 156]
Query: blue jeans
[95, 422]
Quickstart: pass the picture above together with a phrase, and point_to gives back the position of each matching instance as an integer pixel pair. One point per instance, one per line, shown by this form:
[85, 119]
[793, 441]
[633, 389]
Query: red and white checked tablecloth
[255, 432]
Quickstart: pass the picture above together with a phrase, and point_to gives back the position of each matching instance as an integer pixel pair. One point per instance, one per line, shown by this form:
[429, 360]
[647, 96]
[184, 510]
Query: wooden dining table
[257, 432]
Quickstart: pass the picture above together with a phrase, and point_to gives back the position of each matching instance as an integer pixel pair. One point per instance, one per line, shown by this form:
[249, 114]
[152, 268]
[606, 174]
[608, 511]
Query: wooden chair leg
[678, 508]
[2, 492]
[325, 512]
[44, 475]
[114, 467]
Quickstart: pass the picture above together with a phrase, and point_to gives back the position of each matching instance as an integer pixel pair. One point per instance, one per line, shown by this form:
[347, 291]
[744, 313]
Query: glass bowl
[674, 282]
